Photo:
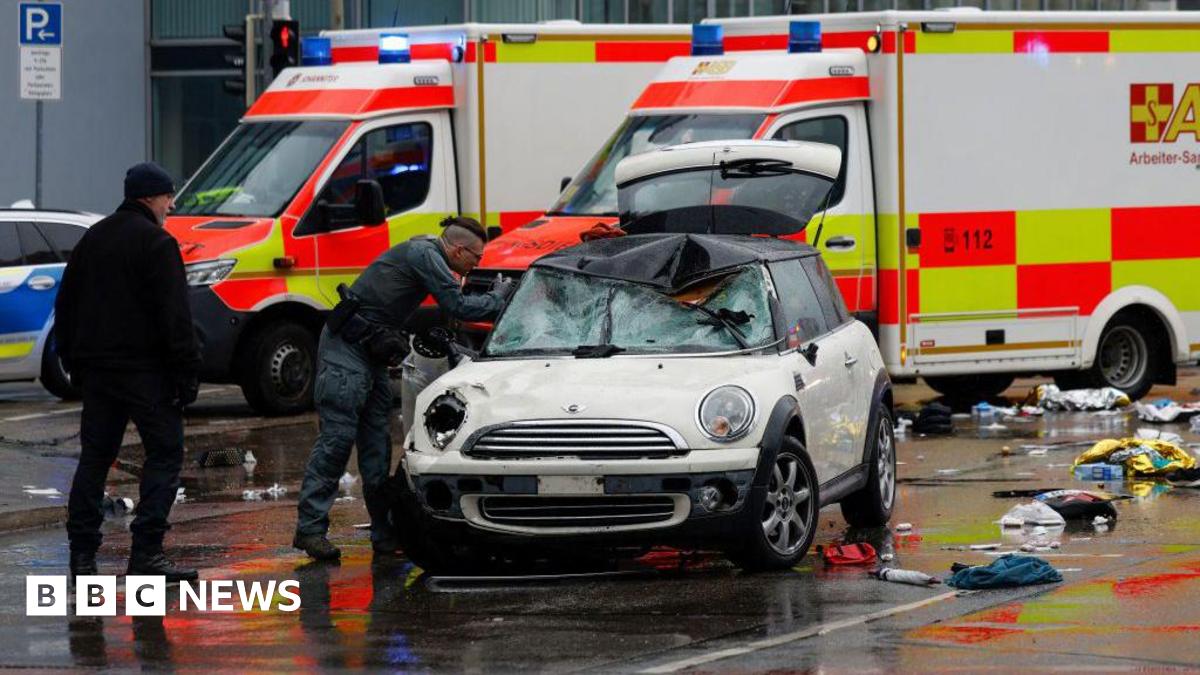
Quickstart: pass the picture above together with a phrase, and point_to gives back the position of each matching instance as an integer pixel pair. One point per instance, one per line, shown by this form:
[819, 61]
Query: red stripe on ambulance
[749, 93]
[1155, 232]
[968, 239]
[646, 52]
[1081, 285]
[350, 101]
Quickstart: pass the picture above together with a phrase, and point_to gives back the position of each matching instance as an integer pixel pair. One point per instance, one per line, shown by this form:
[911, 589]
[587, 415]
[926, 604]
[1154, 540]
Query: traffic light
[238, 57]
[285, 45]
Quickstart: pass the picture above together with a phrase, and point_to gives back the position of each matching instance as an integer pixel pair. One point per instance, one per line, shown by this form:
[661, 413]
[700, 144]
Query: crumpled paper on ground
[1050, 397]
[1032, 514]
[1140, 456]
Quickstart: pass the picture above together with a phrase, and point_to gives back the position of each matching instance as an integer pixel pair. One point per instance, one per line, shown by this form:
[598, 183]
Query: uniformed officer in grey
[353, 394]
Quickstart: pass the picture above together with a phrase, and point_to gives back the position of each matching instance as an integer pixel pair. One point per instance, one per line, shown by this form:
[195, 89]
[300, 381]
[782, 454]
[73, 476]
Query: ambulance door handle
[841, 243]
[41, 283]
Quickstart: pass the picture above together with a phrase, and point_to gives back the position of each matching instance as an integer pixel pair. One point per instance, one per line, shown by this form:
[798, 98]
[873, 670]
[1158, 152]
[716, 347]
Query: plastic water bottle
[911, 577]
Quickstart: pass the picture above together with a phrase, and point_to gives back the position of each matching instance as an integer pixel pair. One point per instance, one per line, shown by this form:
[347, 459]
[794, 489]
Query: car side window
[35, 247]
[833, 306]
[10, 246]
[831, 130]
[62, 237]
[803, 318]
[397, 157]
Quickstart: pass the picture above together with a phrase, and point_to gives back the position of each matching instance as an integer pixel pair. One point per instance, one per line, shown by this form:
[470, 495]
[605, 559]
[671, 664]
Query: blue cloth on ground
[1006, 572]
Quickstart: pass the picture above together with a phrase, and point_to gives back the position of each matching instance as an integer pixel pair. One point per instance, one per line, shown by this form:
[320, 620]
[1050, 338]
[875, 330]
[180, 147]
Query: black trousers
[110, 400]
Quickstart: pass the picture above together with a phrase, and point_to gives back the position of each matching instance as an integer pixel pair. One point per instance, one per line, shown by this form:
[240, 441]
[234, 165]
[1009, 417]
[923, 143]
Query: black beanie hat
[147, 180]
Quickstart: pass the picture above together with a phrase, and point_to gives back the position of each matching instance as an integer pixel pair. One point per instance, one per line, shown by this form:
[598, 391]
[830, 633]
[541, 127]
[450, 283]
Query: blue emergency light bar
[708, 40]
[804, 36]
[316, 51]
[394, 48]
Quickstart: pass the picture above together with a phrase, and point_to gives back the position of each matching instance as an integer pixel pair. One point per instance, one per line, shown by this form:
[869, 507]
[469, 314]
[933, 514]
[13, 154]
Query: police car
[34, 248]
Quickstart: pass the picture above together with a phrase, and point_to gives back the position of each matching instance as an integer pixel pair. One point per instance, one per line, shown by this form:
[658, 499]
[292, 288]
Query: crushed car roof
[669, 262]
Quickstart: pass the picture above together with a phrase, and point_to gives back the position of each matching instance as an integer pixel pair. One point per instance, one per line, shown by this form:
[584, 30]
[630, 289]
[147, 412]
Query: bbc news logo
[147, 596]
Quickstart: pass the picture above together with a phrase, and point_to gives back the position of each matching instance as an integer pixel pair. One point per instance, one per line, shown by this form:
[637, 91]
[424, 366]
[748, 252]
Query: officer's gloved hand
[187, 388]
[503, 286]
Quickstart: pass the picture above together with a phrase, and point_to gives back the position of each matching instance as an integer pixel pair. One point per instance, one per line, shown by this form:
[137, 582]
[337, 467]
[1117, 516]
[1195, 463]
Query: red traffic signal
[285, 45]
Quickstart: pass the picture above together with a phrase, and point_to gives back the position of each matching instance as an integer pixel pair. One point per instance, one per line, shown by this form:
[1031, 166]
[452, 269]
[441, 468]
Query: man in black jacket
[123, 328]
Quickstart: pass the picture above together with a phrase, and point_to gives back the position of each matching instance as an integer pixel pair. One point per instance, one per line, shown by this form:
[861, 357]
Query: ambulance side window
[398, 157]
[803, 318]
[831, 130]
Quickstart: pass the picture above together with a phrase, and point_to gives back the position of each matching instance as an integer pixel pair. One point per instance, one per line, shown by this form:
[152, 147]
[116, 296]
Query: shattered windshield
[258, 169]
[594, 190]
[555, 312]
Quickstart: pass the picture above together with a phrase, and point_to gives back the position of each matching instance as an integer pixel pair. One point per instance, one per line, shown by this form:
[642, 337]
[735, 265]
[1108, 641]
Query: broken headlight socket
[726, 413]
[444, 417]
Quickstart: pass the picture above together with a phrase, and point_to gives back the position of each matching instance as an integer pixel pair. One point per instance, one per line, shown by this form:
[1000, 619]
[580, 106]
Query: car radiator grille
[584, 440]
[558, 512]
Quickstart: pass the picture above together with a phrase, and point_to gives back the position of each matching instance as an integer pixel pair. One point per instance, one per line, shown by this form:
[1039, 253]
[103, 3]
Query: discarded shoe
[317, 547]
[157, 564]
[83, 563]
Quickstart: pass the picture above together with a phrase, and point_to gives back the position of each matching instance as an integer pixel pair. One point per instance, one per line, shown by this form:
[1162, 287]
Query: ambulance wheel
[970, 387]
[279, 369]
[872, 505]
[54, 376]
[1126, 357]
[785, 519]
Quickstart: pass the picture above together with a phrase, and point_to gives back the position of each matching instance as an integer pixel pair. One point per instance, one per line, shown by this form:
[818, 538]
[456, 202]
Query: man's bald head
[463, 239]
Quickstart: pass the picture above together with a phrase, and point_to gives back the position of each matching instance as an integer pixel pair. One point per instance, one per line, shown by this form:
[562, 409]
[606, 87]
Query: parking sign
[40, 24]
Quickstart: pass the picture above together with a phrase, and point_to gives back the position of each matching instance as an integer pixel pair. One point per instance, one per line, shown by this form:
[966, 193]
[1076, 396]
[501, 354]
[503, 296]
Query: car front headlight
[726, 413]
[444, 417]
[208, 272]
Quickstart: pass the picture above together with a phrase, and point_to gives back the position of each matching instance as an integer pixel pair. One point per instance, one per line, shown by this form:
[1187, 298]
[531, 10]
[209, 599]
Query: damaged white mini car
[684, 384]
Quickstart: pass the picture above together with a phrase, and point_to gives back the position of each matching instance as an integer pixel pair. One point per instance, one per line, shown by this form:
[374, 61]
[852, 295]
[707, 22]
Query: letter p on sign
[46, 596]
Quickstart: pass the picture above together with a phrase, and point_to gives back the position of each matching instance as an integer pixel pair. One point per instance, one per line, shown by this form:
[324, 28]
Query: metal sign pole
[37, 156]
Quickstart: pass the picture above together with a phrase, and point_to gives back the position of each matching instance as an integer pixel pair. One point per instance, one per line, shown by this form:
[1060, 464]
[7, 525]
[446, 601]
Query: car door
[856, 379]
[819, 382]
[29, 276]
[407, 158]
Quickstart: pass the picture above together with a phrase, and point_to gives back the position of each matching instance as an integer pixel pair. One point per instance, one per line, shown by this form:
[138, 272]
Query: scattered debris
[1007, 571]
[934, 419]
[250, 461]
[1050, 397]
[947, 472]
[51, 493]
[904, 527]
[116, 506]
[886, 557]
[1099, 472]
[180, 497]
[1079, 504]
[911, 577]
[1038, 452]
[275, 491]
[252, 495]
[1031, 514]
[1141, 457]
[850, 554]
[1149, 434]
[347, 480]
[222, 457]
[1165, 410]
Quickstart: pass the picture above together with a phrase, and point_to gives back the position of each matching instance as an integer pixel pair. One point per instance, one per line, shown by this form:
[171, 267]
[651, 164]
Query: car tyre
[279, 369]
[872, 505]
[54, 376]
[970, 387]
[785, 519]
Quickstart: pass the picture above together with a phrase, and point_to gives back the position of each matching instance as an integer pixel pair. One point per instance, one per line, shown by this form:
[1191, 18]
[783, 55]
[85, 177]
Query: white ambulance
[1019, 190]
[377, 139]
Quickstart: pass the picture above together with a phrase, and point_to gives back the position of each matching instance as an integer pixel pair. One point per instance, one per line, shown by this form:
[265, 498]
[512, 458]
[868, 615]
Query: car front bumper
[597, 503]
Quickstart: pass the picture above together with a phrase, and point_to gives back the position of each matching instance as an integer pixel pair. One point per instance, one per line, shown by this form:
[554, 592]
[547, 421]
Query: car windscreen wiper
[752, 168]
[602, 351]
[724, 318]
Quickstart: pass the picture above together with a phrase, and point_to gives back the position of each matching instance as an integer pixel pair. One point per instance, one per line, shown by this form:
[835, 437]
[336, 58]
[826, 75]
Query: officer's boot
[316, 546]
[153, 562]
[83, 563]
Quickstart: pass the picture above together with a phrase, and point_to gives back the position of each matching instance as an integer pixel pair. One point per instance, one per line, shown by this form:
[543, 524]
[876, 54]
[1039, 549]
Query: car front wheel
[872, 505]
[786, 516]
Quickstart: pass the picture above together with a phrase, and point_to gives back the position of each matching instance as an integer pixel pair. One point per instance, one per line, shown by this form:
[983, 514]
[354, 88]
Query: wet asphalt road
[1127, 600]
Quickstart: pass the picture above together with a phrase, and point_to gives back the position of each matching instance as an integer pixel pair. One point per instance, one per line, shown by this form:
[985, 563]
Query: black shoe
[386, 546]
[316, 546]
[157, 564]
[83, 563]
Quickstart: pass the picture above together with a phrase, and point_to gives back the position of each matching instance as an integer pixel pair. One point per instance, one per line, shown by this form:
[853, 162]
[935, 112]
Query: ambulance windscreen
[258, 169]
[594, 191]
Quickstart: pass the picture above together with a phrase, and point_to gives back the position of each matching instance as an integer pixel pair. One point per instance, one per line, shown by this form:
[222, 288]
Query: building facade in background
[143, 78]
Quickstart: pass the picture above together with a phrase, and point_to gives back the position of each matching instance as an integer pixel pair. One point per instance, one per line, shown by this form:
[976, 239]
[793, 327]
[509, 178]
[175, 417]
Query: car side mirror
[809, 352]
[562, 185]
[369, 208]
